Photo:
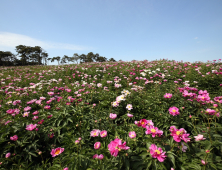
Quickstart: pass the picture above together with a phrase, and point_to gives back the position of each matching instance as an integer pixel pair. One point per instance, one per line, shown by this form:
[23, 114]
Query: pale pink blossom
[132, 134]
[115, 146]
[97, 145]
[199, 137]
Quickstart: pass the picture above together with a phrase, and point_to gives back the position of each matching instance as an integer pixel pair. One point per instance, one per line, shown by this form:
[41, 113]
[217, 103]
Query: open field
[115, 115]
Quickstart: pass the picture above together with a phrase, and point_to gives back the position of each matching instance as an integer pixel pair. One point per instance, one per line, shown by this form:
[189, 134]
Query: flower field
[116, 115]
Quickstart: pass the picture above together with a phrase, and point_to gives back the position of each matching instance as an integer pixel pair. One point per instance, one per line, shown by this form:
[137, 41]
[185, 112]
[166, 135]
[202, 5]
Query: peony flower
[27, 108]
[174, 111]
[56, 151]
[14, 138]
[203, 162]
[35, 112]
[95, 132]
[157, 153]
[26, 114]
[112, 116]
[116, 146]
[132, 134]
[47, 107]
[179, 134]
[154, 131]
[95, 156]
[129, 115]
[97, 145]
[199, 137]
[66, 168]
[129, 107]
[103, 133]
[100, 156]
[31, 127]
[8, 155]
[77, 142]
[168, 95]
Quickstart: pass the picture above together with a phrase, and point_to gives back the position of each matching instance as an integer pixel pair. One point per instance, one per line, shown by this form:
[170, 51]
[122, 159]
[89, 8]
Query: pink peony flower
[7, 122]
[100, 156]
[142, 122]
[35, 117]
[56, 151]
[179, 134]
[112, 116]
[35, 112]
[27, 108]
[129, 107]
[174, 111]
[103, 133]
[49, 116]
[129, 115]
[97, 145]
[66, 168]
[132, 134]
[154, 131]
[14, 138]
[10, 111]
[47, 107]
[95, 156]
[157, 153]
[77, 142]
[199, 137]
[203, 162]
[31, 127]
[26, 114]
[8, 155]
[115, 146]
[51, 135]
[168, 95]
[95, 132]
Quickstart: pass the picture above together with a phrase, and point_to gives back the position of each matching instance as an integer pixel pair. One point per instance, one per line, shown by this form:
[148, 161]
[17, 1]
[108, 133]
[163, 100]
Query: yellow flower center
[57, 152]
[174, 110]
[94, 133]
[178, 133]
[153, 130]
[157, 151]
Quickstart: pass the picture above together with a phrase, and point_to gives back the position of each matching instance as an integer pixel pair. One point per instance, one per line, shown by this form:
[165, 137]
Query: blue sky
[188, 30]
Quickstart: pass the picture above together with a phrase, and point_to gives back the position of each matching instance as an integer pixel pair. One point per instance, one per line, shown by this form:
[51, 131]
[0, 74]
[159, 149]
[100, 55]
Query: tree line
[38, 56]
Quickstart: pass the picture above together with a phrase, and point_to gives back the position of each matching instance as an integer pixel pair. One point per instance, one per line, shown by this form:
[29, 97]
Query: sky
[188, 30]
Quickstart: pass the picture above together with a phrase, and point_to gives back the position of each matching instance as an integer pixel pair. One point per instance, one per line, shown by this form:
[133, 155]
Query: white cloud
[196, 38]
[11, 40]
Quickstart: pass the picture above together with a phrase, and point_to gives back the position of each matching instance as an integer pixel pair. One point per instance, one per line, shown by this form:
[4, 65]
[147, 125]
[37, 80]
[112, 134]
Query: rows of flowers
[117, 115]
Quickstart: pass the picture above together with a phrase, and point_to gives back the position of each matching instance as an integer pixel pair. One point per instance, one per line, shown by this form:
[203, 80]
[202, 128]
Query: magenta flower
[97, 145]
[51, 135]
[199, 137]
[95, 156]
[31, 127]
[168, 95]
[47, 107]
[56, 151]
[112, 116]
[179, 134]
[129, 115]
[203, 162]
[41, 121]
[132, 134]
[142, 122]
[8, 155]
[27, 108]
[26, 114]
[10, 111]
[157, 153]
[210, 111]
[7, 122]
[103, 133]
[154, 131]
[14, 138]
[35, 117]
[35, 112]
[115, 146]
[49, 116]
[66, 168]
[174, 111]
[100, 156]
[95, 132]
